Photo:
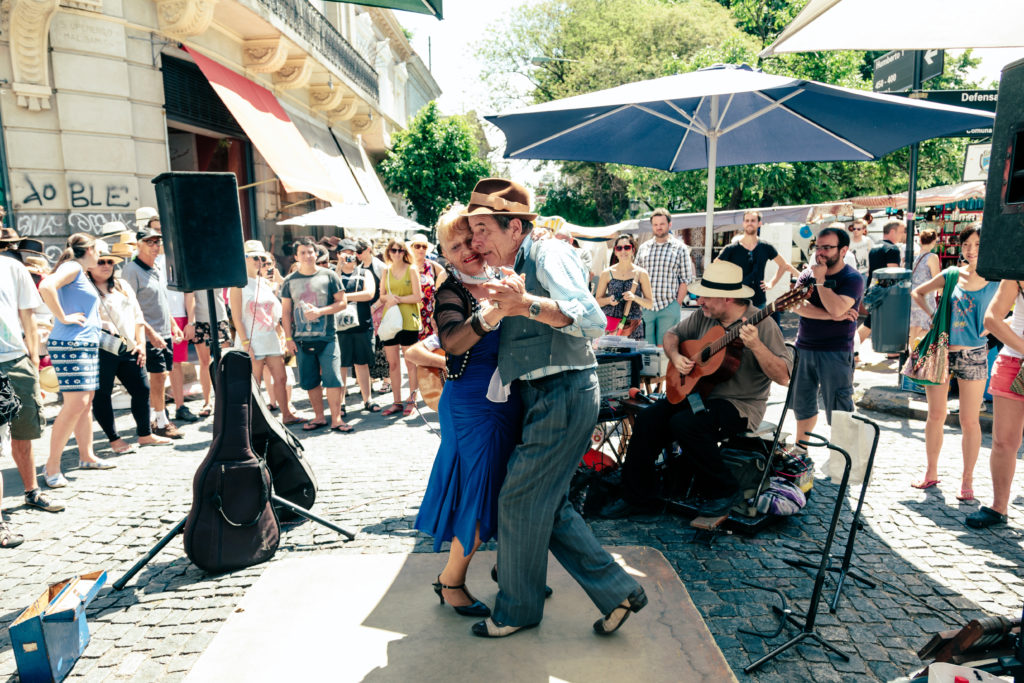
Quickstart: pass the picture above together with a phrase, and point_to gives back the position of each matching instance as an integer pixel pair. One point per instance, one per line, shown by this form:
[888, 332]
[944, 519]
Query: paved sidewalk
[932, 571]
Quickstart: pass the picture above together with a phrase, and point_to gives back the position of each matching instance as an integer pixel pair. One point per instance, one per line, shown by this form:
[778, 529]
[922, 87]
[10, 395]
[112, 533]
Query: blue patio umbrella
[726, 115]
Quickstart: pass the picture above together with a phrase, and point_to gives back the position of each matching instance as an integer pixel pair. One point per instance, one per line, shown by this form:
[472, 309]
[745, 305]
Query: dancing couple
[505, 462]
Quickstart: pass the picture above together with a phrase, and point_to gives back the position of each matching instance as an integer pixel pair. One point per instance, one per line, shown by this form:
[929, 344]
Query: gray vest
[528, 345]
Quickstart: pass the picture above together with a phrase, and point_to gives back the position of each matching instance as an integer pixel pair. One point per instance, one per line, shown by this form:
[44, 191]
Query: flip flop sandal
[392, 409]
[206, 411]
[409, 407]
[310, 426]
[927, 484]
[295, 421]
[98, 465]
[966, 495]
[344, 411]
[371, 407]
[344, 429]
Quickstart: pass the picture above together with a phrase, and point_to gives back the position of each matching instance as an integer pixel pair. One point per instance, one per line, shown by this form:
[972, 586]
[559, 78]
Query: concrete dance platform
[350, 617]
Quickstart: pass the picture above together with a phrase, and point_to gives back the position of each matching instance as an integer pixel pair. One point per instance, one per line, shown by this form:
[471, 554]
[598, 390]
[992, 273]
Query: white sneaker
[55, 481]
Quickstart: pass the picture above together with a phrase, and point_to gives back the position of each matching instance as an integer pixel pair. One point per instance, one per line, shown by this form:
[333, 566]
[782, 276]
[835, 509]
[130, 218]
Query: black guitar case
[232, 523]
[293, 477]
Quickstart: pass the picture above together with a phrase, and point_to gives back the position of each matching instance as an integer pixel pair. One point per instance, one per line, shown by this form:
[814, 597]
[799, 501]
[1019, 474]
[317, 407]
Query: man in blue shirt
[545, 346]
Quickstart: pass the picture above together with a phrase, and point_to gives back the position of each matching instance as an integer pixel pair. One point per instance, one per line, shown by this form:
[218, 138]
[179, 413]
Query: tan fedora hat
[122, 250]
[48, 380]
[500, 196]
[254, 248]
[103, 251]
[9, 235]
[37, 265]
[723, 280]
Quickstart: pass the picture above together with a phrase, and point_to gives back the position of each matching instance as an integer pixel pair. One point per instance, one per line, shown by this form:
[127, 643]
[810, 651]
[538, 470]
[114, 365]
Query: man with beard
[825, 337]
[667, 260]
[752, 255]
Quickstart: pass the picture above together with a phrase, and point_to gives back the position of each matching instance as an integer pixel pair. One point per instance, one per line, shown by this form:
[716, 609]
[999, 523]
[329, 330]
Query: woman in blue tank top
[74, 348]
[968, 362]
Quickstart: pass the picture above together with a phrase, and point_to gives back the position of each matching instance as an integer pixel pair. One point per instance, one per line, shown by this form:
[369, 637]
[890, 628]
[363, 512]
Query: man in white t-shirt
[19, 362]
[860, 246]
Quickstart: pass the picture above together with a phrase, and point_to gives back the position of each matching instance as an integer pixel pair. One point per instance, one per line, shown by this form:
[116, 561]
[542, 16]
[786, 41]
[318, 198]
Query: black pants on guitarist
[698, 435]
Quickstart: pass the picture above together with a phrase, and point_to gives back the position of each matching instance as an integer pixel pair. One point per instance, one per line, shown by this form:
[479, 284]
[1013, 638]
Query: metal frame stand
[214, 343]
[843, 570]
[807, 629]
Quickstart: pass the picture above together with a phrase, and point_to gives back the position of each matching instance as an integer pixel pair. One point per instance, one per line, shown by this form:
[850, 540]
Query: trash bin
[890, 312]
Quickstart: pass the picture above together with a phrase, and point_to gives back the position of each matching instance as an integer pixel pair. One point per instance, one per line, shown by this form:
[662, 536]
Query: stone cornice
[324, 98]
[386, 23]
[185, 18]
[265, 55]
[294, 74]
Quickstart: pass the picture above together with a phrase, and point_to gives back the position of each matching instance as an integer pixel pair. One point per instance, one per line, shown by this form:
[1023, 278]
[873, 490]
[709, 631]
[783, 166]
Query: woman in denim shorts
[968, 362]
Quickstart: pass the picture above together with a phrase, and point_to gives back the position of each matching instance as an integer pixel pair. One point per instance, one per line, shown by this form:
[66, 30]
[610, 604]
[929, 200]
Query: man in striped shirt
[667, 260]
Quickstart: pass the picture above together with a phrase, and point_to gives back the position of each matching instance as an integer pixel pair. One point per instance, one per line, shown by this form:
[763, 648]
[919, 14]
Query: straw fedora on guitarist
[718, 406]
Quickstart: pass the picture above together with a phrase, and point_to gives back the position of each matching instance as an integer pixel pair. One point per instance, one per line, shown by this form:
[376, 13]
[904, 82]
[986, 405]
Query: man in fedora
[545, 346]
[698, 424]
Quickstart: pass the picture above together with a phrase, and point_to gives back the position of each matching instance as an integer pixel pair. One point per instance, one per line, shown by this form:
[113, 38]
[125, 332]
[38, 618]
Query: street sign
[894, 71]
[972, 99]
[976, 160]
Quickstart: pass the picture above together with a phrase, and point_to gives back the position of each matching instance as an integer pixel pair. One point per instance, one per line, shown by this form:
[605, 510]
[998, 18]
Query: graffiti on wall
[43, 192]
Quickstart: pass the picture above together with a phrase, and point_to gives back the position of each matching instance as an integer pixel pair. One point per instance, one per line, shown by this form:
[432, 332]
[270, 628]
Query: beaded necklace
[475, 306]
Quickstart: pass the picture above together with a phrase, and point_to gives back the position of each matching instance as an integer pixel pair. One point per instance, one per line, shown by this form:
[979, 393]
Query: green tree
[434, 162]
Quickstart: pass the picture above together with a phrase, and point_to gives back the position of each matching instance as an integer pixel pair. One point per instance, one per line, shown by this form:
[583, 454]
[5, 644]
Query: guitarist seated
[713, 411]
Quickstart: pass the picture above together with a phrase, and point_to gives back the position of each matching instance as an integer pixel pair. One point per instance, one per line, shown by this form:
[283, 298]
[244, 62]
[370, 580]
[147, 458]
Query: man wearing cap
[699, 423]
[146, 279]
[19, 362]
[545, 346]
[667, 260]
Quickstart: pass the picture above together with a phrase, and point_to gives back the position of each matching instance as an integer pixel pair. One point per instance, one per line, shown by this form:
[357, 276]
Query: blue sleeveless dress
[477, 436]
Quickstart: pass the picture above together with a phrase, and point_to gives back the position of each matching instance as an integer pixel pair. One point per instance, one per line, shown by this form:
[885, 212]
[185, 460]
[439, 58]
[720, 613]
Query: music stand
[843, 570]
[214, 343]
[807, 628]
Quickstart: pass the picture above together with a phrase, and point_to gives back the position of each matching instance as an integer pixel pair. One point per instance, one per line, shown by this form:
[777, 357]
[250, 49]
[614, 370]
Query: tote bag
[391, 322]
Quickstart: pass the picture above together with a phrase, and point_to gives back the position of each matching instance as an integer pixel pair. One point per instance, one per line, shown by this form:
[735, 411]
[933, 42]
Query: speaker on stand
[1002, 237]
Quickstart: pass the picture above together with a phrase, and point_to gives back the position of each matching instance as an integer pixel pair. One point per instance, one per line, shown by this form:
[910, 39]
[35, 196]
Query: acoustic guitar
[710, 365]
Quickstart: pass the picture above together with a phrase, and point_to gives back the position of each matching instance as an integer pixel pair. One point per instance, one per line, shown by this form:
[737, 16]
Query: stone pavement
[932, 571]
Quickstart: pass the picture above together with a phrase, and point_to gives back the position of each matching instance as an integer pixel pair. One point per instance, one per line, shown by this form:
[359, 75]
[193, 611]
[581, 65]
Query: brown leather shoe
[168, 432]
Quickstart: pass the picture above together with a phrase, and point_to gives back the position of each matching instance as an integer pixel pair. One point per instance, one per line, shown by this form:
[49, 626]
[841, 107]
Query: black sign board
[894, 71]
[971, 99]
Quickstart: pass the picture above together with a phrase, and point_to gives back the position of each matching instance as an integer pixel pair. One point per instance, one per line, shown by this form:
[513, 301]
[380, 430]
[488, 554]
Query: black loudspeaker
[1002, 236]
[202, 229]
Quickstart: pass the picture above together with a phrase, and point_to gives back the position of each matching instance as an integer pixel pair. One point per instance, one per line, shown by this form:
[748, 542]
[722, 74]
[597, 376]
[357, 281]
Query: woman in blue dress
[480, 419]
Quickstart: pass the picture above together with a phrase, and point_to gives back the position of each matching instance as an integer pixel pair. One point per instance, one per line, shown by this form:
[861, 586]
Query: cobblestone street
[932, 571]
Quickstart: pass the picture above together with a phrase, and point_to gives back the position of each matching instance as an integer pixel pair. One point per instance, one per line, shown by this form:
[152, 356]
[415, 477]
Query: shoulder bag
[348, 317]
[929, 362]
[114, 344]
[391, 323]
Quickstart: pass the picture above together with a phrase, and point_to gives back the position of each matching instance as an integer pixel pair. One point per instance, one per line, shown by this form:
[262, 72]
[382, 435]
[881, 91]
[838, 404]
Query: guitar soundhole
[705, 355]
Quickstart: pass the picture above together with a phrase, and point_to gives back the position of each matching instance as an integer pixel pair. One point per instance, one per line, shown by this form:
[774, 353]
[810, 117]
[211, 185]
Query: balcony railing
[311, 25]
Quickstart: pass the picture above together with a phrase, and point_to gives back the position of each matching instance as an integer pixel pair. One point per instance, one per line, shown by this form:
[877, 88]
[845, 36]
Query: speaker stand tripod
[214, 343]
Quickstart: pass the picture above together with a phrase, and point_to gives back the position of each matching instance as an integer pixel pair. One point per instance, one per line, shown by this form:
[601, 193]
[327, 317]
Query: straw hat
[122, 250]
[722, 279]
[113, 228]
[103, 251]
[48, 380]
[143, 215]
[127, 238]
[420, 238]
[9, 235]
[37, 265]
[254, 248]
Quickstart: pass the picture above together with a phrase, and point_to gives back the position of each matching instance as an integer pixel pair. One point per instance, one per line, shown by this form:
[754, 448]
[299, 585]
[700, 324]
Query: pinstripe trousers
[534, 513]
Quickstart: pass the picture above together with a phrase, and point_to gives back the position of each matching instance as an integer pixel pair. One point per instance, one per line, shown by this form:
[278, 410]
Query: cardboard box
[50, 636]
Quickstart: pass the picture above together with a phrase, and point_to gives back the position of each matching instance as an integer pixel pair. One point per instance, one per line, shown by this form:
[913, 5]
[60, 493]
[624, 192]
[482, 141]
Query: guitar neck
[716, 346]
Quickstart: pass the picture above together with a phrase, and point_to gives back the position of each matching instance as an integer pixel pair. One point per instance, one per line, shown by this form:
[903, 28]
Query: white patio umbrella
[902, 24]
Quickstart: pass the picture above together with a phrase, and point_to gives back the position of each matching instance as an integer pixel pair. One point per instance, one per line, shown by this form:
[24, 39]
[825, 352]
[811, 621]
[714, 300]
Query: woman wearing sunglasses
[622, 282]
[431, 274]
[121, 315]
[256, 312]
[401, 287]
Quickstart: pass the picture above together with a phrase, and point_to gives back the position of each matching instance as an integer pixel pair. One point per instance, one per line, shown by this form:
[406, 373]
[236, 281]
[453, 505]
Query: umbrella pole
[709, 218]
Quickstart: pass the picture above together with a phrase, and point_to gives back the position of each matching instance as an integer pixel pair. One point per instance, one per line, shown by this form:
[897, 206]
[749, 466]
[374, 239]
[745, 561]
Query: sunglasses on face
[419, 246]
[826, 247]
[259, 259]
[154, 241]
[105, 262]
[397, 250]
[623, 247]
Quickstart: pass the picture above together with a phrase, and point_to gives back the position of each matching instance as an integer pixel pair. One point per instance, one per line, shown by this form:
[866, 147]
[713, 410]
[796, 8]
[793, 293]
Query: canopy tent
[367, 218]
[904, 25]
[432, 7]
[933, 196]
[725, 115]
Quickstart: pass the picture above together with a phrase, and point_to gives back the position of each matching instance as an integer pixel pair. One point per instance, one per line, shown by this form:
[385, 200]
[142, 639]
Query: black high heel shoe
[477, 609]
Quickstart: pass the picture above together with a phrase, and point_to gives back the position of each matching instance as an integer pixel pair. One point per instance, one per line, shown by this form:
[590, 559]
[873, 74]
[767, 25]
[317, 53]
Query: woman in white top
[120, 315]
[1007, 404]
[256, 312]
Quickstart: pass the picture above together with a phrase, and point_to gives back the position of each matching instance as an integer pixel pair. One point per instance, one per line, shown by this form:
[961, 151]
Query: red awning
[275, 136]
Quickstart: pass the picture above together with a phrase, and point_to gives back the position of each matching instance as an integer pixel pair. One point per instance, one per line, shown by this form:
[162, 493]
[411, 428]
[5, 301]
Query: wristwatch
[535, 309]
